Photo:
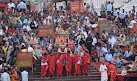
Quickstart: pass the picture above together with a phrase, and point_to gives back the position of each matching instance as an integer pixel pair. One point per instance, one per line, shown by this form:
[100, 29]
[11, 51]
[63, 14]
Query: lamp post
[52, 24]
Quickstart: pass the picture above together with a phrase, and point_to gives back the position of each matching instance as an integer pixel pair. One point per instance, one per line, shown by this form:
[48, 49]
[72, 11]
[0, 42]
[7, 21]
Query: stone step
[94, 75]
[64, 74]
[72, 78]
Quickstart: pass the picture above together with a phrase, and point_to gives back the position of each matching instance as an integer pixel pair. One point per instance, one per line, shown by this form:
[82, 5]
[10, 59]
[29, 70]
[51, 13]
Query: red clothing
[112, 72]
[94, 53]
[134, 52]
[68, 63]
[76, 62]
[44, 65]
[11, 30]
[84, 48]
[51, 64]
[59, 68]
[85, 63]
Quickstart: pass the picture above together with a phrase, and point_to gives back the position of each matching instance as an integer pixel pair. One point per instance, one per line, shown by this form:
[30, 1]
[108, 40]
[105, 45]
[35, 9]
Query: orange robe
[112, 72]
[68, 63]
[85, 63]
[76, 62]
[51, 64]
[44, 65]
[59, 68]
[13, 74]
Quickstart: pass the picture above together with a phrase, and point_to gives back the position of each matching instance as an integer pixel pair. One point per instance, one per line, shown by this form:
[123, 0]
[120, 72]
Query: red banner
[76, 6]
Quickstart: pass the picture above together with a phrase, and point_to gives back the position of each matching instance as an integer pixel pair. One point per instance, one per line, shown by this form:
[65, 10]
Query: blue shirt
[127, 54]
[108, 57]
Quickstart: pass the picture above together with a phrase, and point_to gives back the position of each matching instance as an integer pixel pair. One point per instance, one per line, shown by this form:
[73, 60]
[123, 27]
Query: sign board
[105, 25]
[24, 59]
[45, 30]
[76, 6]
[134, 28]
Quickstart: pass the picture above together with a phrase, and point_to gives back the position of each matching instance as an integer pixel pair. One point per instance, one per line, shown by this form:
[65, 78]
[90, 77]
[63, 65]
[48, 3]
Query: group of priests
[54, 64]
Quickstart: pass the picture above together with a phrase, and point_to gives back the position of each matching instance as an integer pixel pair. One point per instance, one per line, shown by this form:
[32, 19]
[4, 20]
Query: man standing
[77, 63]
[68, 63]
[24, 75]
[109, 8]
[103, 69]
[59, 62]
[44, 64]
[31, 50]
[51, 64]
[5, 76]
[85, 63]
[89, 41]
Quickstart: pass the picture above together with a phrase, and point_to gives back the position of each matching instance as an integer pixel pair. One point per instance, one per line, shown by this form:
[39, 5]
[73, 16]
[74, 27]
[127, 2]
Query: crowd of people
[84, 45]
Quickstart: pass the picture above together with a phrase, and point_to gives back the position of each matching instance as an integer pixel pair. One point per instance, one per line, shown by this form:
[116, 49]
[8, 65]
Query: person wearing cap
[59, 64]
[44, 64]
[85, 63]
[77, 63]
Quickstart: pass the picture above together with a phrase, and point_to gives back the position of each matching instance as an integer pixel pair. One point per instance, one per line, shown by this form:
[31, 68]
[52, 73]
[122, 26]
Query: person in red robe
[77, 63]
[68, 63]
[85, 63]
[59, 64]
[44, 64]
[51, 64]
[112, 72]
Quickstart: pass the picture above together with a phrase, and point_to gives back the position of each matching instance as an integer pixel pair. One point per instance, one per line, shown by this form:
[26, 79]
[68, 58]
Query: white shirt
[27, 27]
[94, 41]
[85, 34]
[1, 32]
[44, 22]
[132, 23]
[112, 41]
[87, 22]
[105, 35]
[49, 17]
[109, 7]
[65, 50]
[24, 75]
[5, 77]
[30, 49]
[21, 5]
[91, 10]
[108, 57]
[115, 13]
[104, 76]
[1, 66]
[10, 5]
[27, 21]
